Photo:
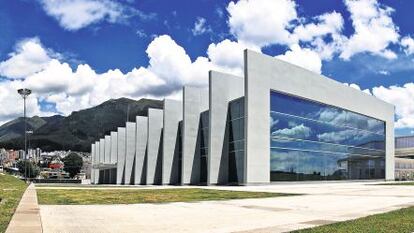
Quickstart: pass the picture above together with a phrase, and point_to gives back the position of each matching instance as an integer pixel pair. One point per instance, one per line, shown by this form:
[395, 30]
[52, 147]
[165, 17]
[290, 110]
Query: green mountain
[78, 130]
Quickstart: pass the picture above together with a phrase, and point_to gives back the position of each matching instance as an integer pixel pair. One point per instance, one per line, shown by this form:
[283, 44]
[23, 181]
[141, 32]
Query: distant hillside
[78, 130]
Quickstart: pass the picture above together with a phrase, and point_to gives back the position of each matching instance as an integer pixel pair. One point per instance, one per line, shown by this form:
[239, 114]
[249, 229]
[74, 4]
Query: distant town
[43, 166]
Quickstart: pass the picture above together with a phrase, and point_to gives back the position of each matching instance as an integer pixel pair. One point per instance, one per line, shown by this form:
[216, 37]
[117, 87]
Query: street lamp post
[24, 92]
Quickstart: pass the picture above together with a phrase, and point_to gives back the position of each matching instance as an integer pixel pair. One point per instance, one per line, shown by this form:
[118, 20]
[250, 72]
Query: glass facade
[404, 142]
[235, 122]
[314, 141]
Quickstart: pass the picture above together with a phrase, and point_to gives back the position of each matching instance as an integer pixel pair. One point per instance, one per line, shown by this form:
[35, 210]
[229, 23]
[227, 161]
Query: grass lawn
[124, 196]
[84, 186]
[402, 183]
[396, 221]
[11, 191]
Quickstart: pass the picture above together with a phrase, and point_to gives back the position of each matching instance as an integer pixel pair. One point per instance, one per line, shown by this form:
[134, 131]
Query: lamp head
[24, 92]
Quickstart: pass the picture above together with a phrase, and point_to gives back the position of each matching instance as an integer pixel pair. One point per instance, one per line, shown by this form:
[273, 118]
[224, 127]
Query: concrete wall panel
[130, 152]
[154, 155]
[141, 149]
[264, 73]
[223, 88]
[102, 150]
[114, 148]
[173, 114]
[93, 160]
[107, 149]
[195, 101]
[98, 160]
[120, 165]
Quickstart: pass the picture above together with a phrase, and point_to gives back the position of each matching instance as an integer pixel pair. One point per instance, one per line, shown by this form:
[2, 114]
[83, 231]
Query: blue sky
[76, 54]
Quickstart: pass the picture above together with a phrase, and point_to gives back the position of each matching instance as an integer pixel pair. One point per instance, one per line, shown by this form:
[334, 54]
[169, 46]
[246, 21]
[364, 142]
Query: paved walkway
[27, 217]
[323, 203]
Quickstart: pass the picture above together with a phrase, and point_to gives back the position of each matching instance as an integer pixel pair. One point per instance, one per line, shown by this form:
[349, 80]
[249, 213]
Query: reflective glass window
[321, 112]
[314, 141]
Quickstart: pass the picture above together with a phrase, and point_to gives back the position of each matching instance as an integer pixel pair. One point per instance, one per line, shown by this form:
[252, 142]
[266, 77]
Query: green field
[402, 183]
[399, 221]
[11, 191]
[132, 196]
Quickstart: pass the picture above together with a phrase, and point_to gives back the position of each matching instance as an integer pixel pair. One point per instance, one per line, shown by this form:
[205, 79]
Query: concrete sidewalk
[27, 216]
[323, 203]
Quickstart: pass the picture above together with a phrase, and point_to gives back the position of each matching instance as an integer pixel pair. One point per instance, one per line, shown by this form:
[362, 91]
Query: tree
[72, 164]
[32, 170]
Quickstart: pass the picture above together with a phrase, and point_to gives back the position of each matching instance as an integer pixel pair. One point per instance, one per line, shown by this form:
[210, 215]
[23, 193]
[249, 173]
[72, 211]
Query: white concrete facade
[154, 154]
[264, 73]
[97, 161]
[107, 152]
[102, 150]
[223, 89]
[130, 152]
[120, 168]
[195, 101]
[114, 148]
[192, 141]
[93, 160]
[141, 149]
[173, 114]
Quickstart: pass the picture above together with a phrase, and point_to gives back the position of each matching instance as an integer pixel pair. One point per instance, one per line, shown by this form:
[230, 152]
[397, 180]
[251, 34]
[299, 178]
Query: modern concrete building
[404, 158]
[279, 122]
[404, 147]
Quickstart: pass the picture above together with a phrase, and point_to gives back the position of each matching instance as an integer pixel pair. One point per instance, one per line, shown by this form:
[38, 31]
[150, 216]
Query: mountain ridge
[78, 130]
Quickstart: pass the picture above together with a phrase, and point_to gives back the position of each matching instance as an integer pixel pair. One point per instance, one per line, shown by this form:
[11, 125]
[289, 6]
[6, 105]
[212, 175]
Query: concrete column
[102, 156]
[114, 148]
[195, 101]
[107, 149]
[223, 88]
[102, 150]
[113, 156]
[130, 152]
[389, 149]
[93, 157]
[141, 149]
[154, 154]
[173, 114]
[98, 160]
[121, 153]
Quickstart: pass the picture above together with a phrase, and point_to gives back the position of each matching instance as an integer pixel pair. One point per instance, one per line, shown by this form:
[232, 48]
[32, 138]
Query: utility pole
[25, 93]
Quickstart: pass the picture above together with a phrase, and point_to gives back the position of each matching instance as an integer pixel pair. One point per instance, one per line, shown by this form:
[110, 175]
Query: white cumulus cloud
[297, 131]
[356, 86]
[403, 98]
[327, 24]
[29, 57]
[262, 22]
[407, 43]
[374, 29]
[200, 27]
[71, 89]
[73, 15]
[303, 57]
[229, 54]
